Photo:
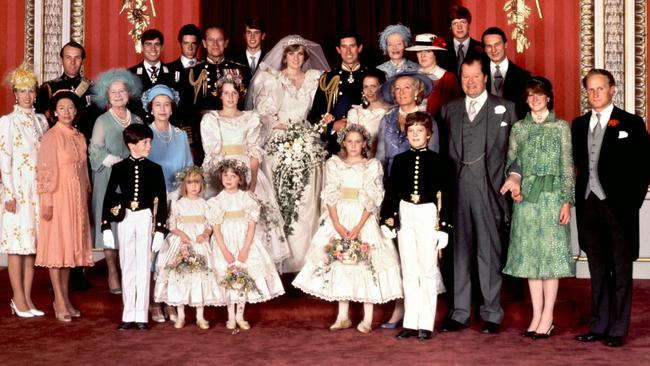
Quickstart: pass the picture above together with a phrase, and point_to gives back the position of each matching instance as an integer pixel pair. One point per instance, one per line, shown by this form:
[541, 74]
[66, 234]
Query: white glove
[442, 239]
[158, 241]
[389, 233]
[111, 160]
[109, 240]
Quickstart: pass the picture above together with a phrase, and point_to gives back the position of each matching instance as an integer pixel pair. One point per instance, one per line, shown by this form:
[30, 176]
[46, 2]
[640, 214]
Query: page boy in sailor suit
[417, 176]
[136, 198]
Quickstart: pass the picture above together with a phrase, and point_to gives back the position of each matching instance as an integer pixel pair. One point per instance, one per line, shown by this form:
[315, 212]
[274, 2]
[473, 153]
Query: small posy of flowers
[188, 261]
[613, 123]
[347, 251]
[238, 279]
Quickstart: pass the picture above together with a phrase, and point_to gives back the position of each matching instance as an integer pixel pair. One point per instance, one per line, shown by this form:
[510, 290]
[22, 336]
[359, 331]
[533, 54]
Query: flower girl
[349, 258]
[244, 267]
[186, 274]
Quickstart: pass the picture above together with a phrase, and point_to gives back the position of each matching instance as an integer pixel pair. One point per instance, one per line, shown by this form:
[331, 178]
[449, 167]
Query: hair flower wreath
[189, 171]
[354, 127]
[234, 164]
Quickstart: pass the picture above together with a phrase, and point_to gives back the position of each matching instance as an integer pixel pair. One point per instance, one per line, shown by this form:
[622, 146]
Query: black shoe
[406, 333]
[142, 326]
[452, 325]
[125, 326]
[528, 333]
[615, 341]
[491, 328]
[546, 335]
[589, 337]
[424, 335]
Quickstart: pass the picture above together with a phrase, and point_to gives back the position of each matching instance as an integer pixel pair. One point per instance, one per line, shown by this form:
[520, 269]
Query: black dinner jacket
[240, 56]
[450, 62]
[514, 85]
[623, 167]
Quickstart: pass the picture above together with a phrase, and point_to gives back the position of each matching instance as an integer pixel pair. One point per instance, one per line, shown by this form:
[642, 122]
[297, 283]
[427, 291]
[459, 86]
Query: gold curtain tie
[349, 193]
[195, 219]
[233, 150]
[233, 215]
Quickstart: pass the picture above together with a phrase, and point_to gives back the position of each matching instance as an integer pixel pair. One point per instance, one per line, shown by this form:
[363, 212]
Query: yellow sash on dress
[196, 219]
[233, 150]
[233, 215]
[349, 193]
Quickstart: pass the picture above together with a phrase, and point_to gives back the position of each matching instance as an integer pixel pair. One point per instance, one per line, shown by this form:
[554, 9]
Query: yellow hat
[22, 78]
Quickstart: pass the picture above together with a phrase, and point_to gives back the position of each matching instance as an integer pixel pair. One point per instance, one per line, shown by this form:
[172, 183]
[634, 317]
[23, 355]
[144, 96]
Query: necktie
[597, 128]
[498, 81]
[154, 76]
[461, 56]
[253, 64]
[472, 109]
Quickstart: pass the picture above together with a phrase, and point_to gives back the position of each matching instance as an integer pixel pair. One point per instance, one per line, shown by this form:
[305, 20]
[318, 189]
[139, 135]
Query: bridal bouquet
[238, 279]
[296, 153]
[347, 251]
[188, 261]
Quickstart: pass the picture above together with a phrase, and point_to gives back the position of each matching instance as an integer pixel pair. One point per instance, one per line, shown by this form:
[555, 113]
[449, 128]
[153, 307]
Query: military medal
[350, 79]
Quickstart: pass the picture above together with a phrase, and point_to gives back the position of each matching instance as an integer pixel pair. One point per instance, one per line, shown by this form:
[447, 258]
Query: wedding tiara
[295, 40]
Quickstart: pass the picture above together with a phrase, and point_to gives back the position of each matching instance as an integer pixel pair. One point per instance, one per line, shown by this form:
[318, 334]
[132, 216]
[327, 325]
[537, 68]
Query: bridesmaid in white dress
[232, 134]
[20, 137]
[282, 92]
[373, 109]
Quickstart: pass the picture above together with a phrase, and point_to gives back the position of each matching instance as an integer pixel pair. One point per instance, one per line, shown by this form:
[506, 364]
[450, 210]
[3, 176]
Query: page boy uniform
[136, 199]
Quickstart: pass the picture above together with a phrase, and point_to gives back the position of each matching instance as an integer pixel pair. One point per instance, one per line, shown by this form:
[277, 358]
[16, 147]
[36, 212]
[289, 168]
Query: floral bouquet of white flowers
[296, 152]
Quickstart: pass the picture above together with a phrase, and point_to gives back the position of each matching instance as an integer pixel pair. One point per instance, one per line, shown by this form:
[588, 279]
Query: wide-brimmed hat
[428, 42]
[387, 87]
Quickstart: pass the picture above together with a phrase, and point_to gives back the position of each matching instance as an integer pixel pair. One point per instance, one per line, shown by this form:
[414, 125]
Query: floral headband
[353, 127]
[190, 171]
[234, 164]
[231, 78]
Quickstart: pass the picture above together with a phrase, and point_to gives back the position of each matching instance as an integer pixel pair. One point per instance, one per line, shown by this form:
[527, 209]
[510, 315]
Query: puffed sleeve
[47, 169]
[215, 211]
[211, 139]
[268, 98]
[568, 177]
[6, 155]
[372, 193]
[353, 114]
[331, 192]
[251, 207]
[173, 214]
[253, 138]
[98, 151]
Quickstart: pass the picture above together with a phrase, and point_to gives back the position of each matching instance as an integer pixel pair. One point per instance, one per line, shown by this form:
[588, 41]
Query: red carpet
[293, 330]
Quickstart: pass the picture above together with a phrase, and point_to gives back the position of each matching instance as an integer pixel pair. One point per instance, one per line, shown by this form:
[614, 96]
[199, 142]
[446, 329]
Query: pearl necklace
[162, 135]
[404, 114]
[123, 122]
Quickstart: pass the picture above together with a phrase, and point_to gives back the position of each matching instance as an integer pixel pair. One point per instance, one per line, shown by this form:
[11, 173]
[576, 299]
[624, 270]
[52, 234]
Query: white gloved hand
[158, 241]
[442, 239]
[111, 160]
[389, 233]
[109, 240]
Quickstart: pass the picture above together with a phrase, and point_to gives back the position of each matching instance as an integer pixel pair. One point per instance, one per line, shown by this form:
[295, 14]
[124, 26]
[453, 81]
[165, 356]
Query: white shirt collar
[503, 67]
[465, 45]
[256, 54]
[480, 99]
[186, 61]
[605, 115]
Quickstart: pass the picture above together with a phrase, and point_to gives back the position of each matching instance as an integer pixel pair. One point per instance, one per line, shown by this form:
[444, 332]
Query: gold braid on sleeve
[200, 84]
[331, 89]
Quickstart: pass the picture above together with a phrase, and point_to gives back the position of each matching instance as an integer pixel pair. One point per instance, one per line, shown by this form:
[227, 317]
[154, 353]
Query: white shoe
[20, 314]
[36, 312]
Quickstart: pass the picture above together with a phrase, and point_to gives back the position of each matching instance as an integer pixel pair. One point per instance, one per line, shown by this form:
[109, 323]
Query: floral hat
[353, 127]
[189, 171]
[156, 90]
[22, 78]
[428, 41]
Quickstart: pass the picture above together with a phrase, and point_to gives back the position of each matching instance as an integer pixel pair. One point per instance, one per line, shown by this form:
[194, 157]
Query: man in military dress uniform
[72, 58]
[338, 90]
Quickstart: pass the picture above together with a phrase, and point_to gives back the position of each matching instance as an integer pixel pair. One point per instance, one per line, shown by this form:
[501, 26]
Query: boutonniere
[499, 109]
[613, 123]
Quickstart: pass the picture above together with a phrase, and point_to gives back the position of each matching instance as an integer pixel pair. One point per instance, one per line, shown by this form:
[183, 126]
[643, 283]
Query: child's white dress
[197, 286]
[233, 211]
[352, 189]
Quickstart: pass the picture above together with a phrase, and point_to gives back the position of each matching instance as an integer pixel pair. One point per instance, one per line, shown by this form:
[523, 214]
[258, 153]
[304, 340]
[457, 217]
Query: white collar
[256, 55]
[605, 116]
[503, 66]
[480, 99]
[148, 66]
[186, 61]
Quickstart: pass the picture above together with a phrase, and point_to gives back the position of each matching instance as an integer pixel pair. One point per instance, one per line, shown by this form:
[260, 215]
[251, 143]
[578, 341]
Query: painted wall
[554, 51]
[12, 29]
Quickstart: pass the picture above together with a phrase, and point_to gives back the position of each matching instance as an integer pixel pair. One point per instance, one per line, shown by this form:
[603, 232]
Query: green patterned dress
[540, 247]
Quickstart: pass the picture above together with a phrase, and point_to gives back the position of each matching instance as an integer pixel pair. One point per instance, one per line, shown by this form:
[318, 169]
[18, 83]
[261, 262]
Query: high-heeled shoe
[528, 333]
[36, 312]
[74, 312]
[389, 325]
[546, 335]
[66, 318]
[20, 314]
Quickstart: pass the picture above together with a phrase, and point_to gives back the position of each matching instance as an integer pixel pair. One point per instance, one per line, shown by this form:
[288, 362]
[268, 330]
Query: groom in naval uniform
[479, 127]
[611, 153]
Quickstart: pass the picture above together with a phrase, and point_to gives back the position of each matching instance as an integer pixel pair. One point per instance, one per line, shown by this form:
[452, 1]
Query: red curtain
[12, 26]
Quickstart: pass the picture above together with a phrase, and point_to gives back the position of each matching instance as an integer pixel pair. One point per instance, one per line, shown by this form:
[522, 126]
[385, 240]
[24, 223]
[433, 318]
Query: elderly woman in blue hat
[393, 40]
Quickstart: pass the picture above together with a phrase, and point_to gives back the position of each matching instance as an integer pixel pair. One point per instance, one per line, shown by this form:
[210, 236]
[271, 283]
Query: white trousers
[134, 233]
[419, 258]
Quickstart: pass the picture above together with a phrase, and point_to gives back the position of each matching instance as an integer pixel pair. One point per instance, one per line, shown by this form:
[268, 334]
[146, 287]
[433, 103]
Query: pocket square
[622, 134]
[503, 124]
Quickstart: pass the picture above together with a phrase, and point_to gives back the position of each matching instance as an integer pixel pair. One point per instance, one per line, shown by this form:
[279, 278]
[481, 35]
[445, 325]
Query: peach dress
[63, 183]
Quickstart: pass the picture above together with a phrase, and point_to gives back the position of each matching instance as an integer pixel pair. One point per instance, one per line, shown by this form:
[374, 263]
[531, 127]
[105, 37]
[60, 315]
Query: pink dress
[63, 183]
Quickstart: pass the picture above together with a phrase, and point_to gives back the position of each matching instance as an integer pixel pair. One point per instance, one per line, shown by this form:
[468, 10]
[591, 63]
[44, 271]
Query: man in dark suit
[506, 79]
[254, 34]
[611, 153]
[339, 89]
[460, 45]
[151, 70]
[189, 38]
[479, 127]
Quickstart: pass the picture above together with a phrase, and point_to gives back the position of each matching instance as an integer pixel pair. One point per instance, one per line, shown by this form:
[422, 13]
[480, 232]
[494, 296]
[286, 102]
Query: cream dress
[369, 119]
[21, 132]
[233, 211]
[352, 282]
[197, 288]
[239, 138]
[277, 100]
